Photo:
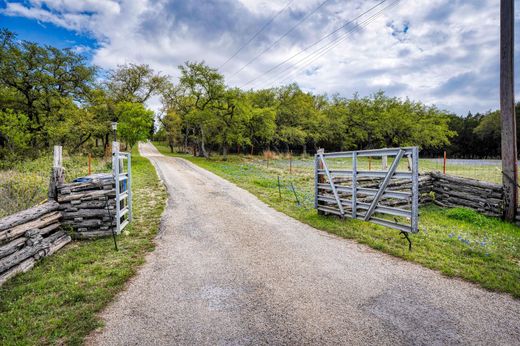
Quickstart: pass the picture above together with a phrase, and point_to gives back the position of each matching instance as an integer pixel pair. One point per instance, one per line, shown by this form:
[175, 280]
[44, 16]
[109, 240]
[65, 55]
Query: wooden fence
[28, 236]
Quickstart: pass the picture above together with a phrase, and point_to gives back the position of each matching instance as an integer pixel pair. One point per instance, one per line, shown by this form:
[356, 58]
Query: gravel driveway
[229, 270]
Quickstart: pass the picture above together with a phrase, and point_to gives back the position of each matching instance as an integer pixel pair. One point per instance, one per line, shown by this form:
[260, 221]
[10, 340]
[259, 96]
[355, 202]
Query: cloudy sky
[442, 52]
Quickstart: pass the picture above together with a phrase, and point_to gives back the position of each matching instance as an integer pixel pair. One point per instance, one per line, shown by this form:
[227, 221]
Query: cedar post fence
[57, 174]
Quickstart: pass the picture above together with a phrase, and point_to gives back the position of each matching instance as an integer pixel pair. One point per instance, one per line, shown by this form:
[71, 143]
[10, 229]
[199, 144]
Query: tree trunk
[186, 140]
[224, 151]
[202, 145]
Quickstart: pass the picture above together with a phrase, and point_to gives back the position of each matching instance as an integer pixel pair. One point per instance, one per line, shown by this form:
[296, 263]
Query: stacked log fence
[484, 197]
[29, 236]
[88, 208]
[83, 210]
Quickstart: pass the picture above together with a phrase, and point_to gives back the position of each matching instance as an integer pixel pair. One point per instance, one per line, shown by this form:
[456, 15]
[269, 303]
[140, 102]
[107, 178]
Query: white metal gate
[123, 187]
[390, 193]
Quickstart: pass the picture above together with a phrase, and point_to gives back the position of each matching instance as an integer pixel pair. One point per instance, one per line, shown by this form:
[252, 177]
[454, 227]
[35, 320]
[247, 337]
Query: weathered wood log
[12, 247]
[96, 194]
[86, 214]
[48, 229]
[28, 215]
[25, 259]
[40, 222]
[88, 205]
[466, 181]
[92, 234]
[20, 256]
[89, 223]
[19, 268]
[462, 195]
[57, 241]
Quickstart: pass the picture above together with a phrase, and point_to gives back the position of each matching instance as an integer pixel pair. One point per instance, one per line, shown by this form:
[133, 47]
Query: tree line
[52, 96]
[202, 114]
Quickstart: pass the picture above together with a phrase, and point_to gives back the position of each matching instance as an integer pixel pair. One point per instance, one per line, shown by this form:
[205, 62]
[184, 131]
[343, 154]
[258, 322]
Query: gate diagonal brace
[383, 185]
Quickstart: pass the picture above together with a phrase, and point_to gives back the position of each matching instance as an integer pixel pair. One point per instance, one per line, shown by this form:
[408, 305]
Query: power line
[256, 34]
[280, 38]
[315, 43]
[325, 49]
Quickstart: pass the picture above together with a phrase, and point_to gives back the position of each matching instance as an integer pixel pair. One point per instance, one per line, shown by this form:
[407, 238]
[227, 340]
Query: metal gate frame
[362, 210]
[122, 192]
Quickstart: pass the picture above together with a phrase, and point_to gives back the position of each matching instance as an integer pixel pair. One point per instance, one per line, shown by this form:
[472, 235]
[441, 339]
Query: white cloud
[437, 51]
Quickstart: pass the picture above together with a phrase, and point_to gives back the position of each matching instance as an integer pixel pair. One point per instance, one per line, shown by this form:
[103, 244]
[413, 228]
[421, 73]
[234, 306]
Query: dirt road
[228, 269]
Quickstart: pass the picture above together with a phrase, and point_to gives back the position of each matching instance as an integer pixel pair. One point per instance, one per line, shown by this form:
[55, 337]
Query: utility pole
[507, 109]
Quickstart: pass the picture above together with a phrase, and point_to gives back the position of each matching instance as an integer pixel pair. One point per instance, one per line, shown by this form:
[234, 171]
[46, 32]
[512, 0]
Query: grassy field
[25, 184]
[457, 242]
[57, 301]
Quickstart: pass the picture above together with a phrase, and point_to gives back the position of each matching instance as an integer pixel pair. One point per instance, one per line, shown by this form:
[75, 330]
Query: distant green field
[457, 242]
[485, 170]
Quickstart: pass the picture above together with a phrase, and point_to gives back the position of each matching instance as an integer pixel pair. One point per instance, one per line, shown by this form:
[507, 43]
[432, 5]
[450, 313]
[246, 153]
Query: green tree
[41, 81]
[14, 133]
[172, 125]
[134, 122]
[134, 83]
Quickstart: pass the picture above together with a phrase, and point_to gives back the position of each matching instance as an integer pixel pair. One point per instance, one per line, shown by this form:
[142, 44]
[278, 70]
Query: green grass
[457, 242]
[57, 301]
[25, 184]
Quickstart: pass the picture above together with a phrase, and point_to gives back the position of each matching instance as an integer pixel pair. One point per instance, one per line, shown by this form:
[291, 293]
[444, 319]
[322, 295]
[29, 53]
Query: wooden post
[290, 162]
[384, 162]
[89, 164]
[369, 163]
[57, 174]
[444, 164]
[319, 178]
[507, 109]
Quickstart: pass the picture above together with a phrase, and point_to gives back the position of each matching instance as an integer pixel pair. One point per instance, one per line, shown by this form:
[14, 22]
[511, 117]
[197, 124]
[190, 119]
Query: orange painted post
[89, 164]
[444, 164]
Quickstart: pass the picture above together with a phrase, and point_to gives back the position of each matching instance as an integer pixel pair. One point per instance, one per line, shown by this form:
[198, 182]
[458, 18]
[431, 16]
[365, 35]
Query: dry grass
[25, 184]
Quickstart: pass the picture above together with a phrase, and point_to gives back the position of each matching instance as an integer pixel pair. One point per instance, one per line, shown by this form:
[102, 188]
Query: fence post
[116, 170]
[89, 164]
[507, 108]
[444, 163]
[384, 161]
[57, 174]
[318, 179]
[415, 190]
[354, 185]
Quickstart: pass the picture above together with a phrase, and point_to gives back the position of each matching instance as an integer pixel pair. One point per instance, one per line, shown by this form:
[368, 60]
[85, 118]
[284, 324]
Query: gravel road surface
[229, 270]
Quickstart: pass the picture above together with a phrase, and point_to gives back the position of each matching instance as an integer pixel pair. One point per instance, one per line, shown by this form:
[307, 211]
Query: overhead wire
[325, 49]
[280, 38]
[315, 43]
[256, 34]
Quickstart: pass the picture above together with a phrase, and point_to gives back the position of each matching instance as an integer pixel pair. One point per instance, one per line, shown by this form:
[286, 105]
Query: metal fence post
[354, 184]
[129, 187]
[316, 181]
[115, 171]
[415, 190]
